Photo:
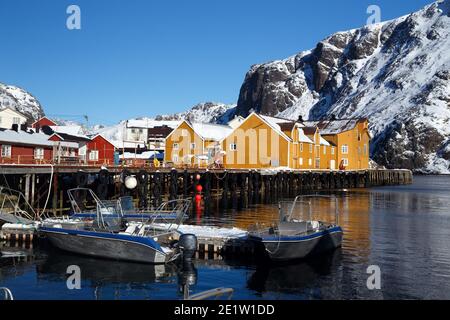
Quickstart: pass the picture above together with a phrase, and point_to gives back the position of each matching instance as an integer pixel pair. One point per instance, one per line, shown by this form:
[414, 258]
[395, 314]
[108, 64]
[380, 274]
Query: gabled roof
[92, 137]
[207, 131]
[13, 110]
[41, 118]
[274, 123]
[330, 127]
[22, 137]
[309, 131]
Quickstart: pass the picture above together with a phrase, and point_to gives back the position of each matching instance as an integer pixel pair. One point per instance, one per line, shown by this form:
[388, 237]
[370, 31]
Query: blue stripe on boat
[149, 242]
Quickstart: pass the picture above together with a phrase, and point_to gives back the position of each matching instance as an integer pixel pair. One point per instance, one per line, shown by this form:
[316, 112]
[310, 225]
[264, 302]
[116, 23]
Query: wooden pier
[158, 184]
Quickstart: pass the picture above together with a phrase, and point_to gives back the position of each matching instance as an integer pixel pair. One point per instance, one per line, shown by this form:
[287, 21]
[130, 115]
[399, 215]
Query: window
[344, 149]
[6, 151]
[192, 146]
[310, 162]
[317, 150]
[141, 131]
[133, 131]
[345, 162]
[39, 153]
[317, 163]
[93, 155]
[300, 161]
[359, 150]
[301, 147]
[233, 146]
[175, 146]
[332, 150]
[365, 149]
[175, 158]
[324, 149]
[16, 120]
[310, 148]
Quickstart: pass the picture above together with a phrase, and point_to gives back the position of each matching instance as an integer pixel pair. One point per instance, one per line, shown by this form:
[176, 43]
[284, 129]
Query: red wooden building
[100, 151]
[44, 121]
[20, 147]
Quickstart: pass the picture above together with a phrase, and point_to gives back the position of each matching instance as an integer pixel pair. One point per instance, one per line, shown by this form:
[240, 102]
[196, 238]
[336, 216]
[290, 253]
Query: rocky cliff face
[396, 73]
[21, 101]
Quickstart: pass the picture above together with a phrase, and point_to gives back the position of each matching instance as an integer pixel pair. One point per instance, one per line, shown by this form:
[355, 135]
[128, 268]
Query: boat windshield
[14, 207]
[322, 208]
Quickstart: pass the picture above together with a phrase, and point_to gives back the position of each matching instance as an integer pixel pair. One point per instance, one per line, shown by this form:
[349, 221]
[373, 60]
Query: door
[333, 164]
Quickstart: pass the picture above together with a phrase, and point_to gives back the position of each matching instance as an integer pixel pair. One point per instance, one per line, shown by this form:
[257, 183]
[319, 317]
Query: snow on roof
[302, 137]
[127, 144]
[209, 131]
[324, 142]
[333, 126]
[275, 124]
[72, 130]
[144, 155]
[22, 137]
[150, 123]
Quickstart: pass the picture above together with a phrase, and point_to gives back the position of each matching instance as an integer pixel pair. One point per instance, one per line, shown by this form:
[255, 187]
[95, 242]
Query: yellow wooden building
[351, 138]
[193, 143]
[258, 142]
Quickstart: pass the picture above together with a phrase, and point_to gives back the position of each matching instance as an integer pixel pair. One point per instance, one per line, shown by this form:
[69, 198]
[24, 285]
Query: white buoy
[130, 182]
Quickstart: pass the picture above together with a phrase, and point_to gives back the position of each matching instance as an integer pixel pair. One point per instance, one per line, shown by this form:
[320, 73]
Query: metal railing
[7, 294]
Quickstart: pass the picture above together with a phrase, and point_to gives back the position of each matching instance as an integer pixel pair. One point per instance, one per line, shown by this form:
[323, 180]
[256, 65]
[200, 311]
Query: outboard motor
[188, 245]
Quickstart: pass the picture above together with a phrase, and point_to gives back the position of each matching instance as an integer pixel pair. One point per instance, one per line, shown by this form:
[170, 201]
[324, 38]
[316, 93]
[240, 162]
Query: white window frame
[193, 145]
[310, 148]
[233, 147]
[345, 162]
[6, 151]
[301, 147]
[91, 155]
[176, 146]
[344, 149]
[300, 161]
[310, 162]
[39, 153]
[175, 158]
[332, 150]
[324, 150]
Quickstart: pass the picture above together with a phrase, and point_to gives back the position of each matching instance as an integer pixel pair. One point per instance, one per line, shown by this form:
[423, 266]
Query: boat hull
[104, 245]
[298, 247]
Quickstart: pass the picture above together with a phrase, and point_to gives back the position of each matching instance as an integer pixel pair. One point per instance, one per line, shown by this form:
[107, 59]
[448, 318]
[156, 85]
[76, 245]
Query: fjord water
[404, 230]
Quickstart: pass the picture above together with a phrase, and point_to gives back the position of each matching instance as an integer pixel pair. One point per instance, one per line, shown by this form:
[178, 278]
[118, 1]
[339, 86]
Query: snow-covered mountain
[208, 112]
[20, 100]
[396, 73]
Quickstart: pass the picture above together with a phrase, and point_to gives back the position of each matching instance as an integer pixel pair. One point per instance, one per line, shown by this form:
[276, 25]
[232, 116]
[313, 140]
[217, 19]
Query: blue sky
[143, 57]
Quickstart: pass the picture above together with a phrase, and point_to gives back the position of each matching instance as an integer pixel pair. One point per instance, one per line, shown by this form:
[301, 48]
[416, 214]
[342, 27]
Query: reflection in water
[294, 277]
[404, 230]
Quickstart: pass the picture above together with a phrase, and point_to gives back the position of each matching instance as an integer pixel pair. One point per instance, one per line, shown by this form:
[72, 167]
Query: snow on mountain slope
[207, 112]
[396, 73]
[20, 100]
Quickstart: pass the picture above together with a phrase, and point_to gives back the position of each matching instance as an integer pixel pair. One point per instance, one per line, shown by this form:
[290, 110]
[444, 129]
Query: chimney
[15, 127]
[300, 119]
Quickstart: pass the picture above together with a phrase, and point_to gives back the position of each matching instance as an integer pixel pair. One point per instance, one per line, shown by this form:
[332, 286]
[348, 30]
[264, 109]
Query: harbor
[373, 220]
